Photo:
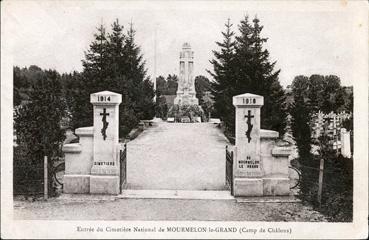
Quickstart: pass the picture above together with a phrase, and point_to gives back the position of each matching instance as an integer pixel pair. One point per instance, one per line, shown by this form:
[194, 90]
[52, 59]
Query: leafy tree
[208, 103]
[315, 91]
[301, 114]
[202, 85]
[37, 123]
[161, 86]
[203, 93]
[172, 83]
[331, 85]
[161, 107]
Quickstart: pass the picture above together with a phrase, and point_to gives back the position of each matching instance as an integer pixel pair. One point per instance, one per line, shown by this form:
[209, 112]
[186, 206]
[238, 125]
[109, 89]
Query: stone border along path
[177, 156]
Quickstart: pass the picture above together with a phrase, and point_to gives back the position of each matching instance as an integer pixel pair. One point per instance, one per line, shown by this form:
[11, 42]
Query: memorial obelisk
[186, 94]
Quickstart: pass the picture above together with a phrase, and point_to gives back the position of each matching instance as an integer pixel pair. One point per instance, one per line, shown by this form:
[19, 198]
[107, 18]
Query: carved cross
[249, 125]
[105, 123]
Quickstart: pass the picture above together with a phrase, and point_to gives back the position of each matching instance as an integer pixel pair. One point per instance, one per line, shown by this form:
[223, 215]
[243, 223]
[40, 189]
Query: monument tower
[186, 94]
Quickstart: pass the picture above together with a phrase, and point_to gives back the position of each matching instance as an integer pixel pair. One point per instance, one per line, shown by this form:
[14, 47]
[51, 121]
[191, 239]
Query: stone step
[176, 194]
[269, 199]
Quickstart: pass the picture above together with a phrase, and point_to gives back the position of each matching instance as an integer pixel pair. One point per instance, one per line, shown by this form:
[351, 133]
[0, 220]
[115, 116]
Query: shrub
[191, 111]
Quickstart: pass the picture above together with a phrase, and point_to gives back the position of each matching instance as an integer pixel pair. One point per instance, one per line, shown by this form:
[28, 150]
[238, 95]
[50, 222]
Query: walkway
[163, 210]
[181, 156]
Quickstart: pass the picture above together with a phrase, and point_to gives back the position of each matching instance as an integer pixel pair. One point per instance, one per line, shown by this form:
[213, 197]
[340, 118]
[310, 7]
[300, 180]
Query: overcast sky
[302, 39]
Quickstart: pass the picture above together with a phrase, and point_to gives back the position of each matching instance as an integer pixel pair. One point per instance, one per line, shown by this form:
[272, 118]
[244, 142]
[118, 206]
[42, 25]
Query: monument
[92, 165]
[261, 162]
[186, 94]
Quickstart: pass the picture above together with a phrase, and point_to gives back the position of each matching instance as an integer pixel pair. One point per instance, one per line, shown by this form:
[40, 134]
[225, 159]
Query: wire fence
[329, 181]
[33, 177]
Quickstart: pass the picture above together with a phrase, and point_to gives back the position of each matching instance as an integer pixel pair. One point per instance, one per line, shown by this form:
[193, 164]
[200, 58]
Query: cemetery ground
[187, 157]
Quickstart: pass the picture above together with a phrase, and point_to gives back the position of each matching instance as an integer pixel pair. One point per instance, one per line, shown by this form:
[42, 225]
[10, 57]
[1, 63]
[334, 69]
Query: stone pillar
[248, 173]
[105, 169]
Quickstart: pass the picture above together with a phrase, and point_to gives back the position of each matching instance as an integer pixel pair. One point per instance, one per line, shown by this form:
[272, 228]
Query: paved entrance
[177, 156]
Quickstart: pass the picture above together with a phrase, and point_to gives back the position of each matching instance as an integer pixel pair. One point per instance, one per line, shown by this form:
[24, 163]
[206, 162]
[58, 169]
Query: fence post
[46, 185]
[321, 171]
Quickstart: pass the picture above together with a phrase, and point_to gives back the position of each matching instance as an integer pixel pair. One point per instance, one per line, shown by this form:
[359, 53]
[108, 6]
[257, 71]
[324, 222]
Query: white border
[67, 229]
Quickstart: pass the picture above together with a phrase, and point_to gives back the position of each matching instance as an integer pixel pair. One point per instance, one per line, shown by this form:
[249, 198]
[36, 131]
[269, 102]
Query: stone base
[276, 186]
[247, 187]
[183, 99]
[76, 184]
[104, 184]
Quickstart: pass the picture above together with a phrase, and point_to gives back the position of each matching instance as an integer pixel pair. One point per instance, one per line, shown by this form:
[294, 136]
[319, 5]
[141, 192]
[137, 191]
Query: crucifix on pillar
[105, 123]
[249, 125]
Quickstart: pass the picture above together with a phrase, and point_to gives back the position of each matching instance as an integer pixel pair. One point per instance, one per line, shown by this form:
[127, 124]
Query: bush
[38, 123]
[190, 111]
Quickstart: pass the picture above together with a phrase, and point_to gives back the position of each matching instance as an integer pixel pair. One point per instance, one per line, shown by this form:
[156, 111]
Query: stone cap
[281, 151]
[72, 148]
[268, 133]
[105, 98]
[85, 131]
[248, 100]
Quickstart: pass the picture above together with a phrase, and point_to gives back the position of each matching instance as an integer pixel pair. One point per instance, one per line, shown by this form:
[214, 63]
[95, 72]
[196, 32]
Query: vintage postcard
[184, 119]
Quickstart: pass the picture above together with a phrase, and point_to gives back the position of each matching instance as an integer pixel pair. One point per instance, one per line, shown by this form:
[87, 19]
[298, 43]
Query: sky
[303, 38]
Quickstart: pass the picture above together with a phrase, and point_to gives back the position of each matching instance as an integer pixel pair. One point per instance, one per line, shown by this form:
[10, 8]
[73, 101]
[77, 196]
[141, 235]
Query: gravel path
[177, 156]
[164, 209]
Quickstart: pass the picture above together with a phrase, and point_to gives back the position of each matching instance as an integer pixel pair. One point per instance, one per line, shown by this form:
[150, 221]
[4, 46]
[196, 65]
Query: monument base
[76, 184]
[104, 184]
[186, 99]
[248, 187]
[276, 186]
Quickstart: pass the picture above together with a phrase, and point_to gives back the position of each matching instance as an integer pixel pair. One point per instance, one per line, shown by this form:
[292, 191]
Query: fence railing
[229, 169]
[123, 167]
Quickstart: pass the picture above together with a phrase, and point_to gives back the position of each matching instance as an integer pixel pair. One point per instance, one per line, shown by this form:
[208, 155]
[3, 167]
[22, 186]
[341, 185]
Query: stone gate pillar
[105, 169]
[248, 173]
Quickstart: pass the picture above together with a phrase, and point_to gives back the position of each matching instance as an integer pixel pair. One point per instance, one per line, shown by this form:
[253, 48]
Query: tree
[141, 89]
[114, 63]
[172, 83]
[38, 124]
[243, 66]
[301, 114]
[208, 103]
[315, 91]
[202, 85]
[255, 74]
[203, 93]
[331, 85]
[223, 86]
[161, 86]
